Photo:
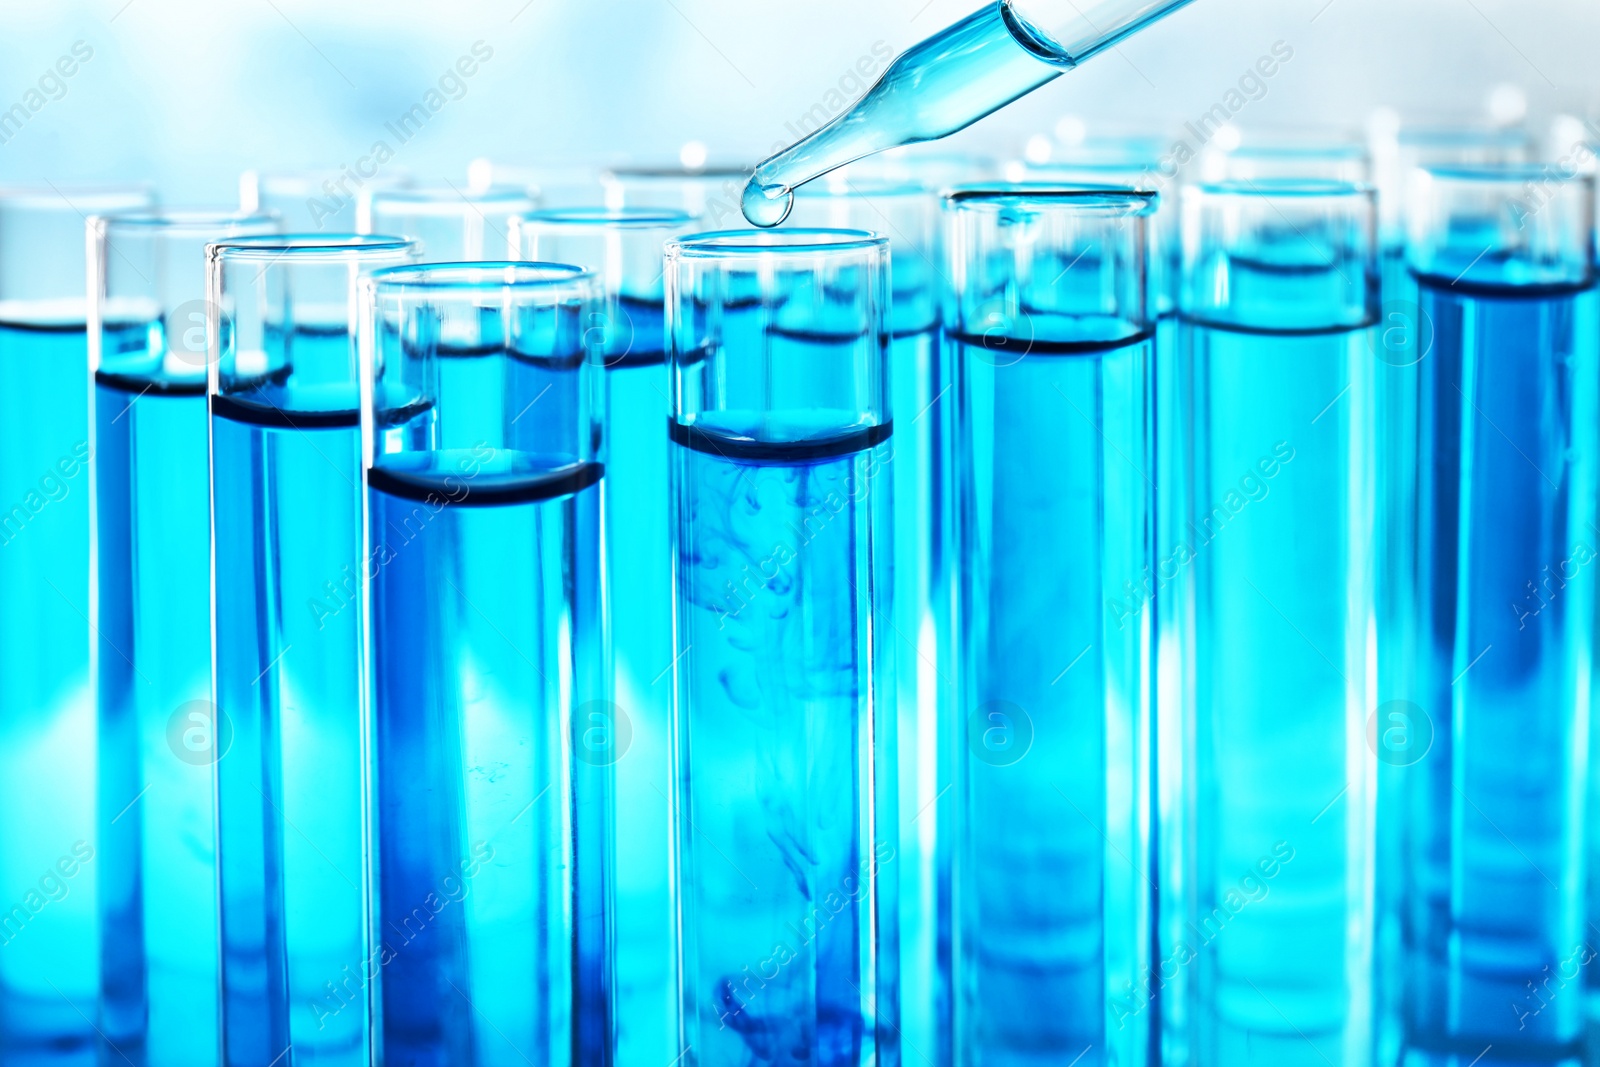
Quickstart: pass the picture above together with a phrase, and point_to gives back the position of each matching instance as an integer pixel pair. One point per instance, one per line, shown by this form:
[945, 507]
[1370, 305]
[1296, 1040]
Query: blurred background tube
[449, 224]
[288, 563]
[1050, 341]
[623, 248]
[49, 946]
[786, 849]
[1405, 339]
[315, 201]
[710, 191]
[907, 212]
[1271, 963]
[158, 734]
[492, 738]
[1496, 724]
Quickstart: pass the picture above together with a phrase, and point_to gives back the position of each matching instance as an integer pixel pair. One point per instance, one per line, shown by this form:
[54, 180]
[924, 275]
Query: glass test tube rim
[672, 172]
[447, 201]
[1357, 201]
[1508, 182]
[1111, 174]
[1113, 201]
[297, 180]
[1114, 148]
[475, 276]
[599, 218]
[1463, 135]
[183, 222]
[776, 243]
[1331, 152]
[1509, 174]
[303, 246]
[834, 186]
[1306, 189]
[158, 224]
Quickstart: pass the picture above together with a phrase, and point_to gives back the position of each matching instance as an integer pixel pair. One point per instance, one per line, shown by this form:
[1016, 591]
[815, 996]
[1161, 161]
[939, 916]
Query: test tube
[1496, 726]
[1405, 339]
[1330, 159]
[491, 878]
[316, 201]
[152, 618]
[49, 947]
[1126, 163]
[449, 224]
[553, 186]
[287, 569]
[624, 248]
[711, 192]
[920, 633]
[1050, 344]
[1271, 960]
[1398, 148]
[785, 852]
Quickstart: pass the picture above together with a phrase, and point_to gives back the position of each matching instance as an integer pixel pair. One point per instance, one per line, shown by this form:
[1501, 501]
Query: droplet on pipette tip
[765, 206]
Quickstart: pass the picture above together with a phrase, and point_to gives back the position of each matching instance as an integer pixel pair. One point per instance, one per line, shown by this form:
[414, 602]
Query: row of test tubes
[1137, 627]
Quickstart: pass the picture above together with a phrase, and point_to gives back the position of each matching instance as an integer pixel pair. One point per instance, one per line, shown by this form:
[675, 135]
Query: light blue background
[189, 92]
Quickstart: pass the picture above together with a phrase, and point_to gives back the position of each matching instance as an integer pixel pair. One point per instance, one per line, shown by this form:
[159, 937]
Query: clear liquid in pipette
[938, 86]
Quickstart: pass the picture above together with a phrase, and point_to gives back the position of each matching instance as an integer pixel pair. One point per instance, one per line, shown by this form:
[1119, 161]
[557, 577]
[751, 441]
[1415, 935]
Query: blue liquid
[1271, 964]
[1170, 591]
[1495, 934]
[1403, 338]
[785, 762]
[157, 733]
[492, 828]
[639, 584]
[288, 545]
[1053, 929]
[924, 678]
[49, 973]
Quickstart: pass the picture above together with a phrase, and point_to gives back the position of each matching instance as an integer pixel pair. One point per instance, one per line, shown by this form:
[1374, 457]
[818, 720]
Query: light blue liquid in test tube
[49, 947]
[1405, 338]
[157, 733]
[288, 567]
[1143, 163]
[1051, 342]
[492, 743]
[786, 849]
[1271, 962]
[624, 248]
[1494, 774]
[906, 212]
